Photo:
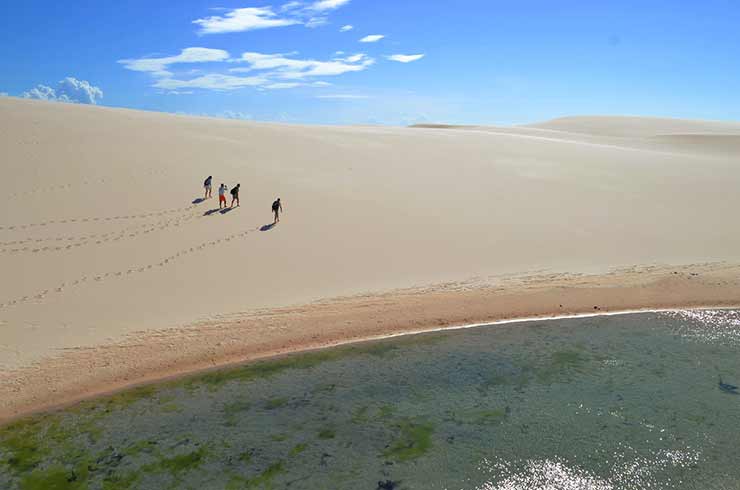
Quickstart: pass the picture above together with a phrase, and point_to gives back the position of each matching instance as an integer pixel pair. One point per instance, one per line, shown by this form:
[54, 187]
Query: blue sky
[463, 61]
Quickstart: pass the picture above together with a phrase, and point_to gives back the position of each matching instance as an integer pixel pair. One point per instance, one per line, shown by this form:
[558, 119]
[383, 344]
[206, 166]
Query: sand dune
[637, 127]
[100, 236]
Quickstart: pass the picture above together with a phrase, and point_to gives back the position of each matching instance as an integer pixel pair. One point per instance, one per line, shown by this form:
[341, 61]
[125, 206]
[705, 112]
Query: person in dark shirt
[277, 208]
[235, 195]
[207, 186]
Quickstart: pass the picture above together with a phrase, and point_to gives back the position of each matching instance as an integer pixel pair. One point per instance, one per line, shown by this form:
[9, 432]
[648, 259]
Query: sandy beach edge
[230, 340]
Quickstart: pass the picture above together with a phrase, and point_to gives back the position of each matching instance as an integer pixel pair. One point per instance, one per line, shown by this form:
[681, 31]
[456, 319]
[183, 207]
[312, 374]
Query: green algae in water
[414, 439]
[612, 402]
[275, 403]
[263, 480]
[327, 434]
[298, 449]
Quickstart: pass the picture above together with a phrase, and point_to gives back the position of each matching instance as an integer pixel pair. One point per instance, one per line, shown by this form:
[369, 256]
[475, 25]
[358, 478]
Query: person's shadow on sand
[199, 200]
[268, 227]
[226, 210]
[211, 212]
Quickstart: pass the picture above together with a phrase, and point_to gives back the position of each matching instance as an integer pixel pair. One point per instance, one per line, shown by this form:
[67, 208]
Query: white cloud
[243, 19]
[405, 58]
[158, 66]
[346, 28]
[236, 115]
[373, 38]
[291, 6]
[355, 58]
[313, 14]
[283, 85]
[342, 96]
[69, 89]
[322, 5]
[270, 71]
[278, 66]
[214, 81]
[316, 22]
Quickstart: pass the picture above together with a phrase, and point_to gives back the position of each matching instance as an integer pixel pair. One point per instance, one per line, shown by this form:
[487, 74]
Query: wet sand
[149, 356]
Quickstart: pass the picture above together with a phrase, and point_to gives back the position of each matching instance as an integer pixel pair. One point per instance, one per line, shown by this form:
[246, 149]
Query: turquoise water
[618, 402]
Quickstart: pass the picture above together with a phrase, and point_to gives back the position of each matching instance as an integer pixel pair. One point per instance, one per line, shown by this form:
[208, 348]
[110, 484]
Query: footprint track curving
[119, 274]
[97, 219]
[98, 238]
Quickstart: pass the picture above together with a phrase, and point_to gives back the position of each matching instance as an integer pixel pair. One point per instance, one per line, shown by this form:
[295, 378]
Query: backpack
[234, 191]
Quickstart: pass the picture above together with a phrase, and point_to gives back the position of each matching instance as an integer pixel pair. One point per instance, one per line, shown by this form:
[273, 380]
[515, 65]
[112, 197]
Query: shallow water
[629, 401]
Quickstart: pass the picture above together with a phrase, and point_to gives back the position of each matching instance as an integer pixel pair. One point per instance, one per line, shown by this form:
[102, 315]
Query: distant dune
[637, 127]
[103, 237]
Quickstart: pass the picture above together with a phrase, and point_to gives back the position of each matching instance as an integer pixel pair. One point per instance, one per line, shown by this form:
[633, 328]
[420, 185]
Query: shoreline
[159, 356]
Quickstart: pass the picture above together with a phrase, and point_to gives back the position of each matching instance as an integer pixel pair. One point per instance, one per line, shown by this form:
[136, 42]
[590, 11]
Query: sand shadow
[227, 210]
[268, 227]
[211, 212]
[199, 200]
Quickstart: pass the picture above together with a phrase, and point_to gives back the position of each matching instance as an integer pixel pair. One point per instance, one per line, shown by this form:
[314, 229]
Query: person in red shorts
[222, 195]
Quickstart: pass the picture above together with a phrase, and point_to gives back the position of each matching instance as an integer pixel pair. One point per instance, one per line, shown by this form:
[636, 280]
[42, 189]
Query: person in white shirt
[222, 195]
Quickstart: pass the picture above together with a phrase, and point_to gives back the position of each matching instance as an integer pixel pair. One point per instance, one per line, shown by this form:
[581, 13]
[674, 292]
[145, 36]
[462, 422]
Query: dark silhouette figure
[235, 195]
[207, 187]
[728, 388]
[277, 208]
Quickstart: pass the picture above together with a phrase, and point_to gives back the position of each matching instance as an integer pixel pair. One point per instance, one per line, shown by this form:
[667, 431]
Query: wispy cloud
[279, 66]
[69, 89]
[158, 66]
[267, 71]
[322, 5]
[283, 85]
[311, 14]
[342, 96]
[287, 7]
[405, 58]
[243, 19]
[235, 115]
[346, 28]
[373, 38]
[213, 81]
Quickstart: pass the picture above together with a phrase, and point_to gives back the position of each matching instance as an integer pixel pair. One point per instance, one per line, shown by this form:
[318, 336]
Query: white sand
[366, 209]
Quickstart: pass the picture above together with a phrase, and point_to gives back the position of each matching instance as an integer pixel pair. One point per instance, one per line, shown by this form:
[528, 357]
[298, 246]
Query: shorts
[222, 198]
[208, 187]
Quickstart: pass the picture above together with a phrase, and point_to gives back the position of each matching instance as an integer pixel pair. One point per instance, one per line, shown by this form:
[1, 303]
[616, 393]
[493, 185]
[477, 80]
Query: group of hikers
[277, 206]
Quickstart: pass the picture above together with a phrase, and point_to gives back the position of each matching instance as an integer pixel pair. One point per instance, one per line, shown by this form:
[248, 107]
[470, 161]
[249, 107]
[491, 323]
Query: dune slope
[100, 236]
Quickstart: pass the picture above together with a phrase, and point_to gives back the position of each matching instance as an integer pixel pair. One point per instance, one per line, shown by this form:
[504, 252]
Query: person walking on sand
[207, 186]
[277, 208]
[235, 195]
[222, 195]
